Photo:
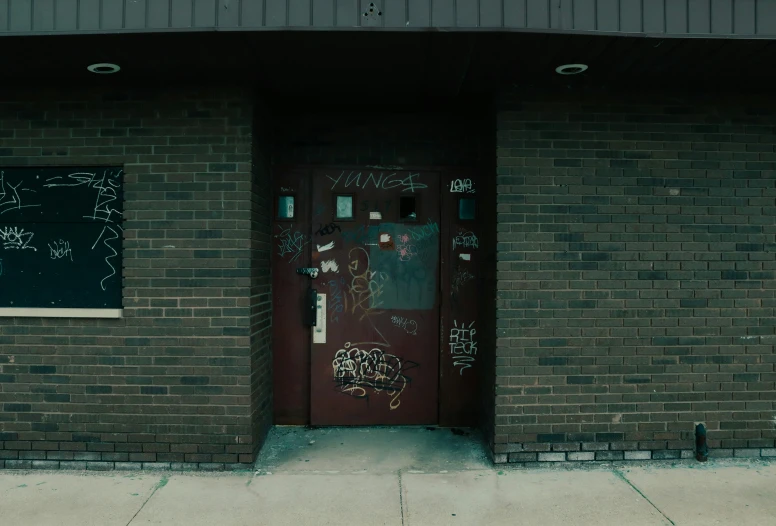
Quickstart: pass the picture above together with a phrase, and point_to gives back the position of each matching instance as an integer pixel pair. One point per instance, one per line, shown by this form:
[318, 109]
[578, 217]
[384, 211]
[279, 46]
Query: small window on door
[408, 208]
[344, 207]
[285, 207]
[467, 208]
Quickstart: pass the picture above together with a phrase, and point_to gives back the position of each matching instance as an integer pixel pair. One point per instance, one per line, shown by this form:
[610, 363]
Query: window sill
[24, 312]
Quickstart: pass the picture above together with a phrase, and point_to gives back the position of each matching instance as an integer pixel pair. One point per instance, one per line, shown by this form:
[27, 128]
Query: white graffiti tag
[10, 196]
[107, 185]
[60, 249]
[106, 241]
[359, 373]
[290, 243]
[16, 238]
[463, 346]
[410, 326]
[329, 266]
[466, 240]
[462, 186]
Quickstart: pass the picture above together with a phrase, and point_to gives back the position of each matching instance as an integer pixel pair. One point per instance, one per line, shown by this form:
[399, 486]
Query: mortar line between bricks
[159, 485]
[622, 477]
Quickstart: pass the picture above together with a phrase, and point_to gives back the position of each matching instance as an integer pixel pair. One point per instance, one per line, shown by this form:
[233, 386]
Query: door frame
[306, 170]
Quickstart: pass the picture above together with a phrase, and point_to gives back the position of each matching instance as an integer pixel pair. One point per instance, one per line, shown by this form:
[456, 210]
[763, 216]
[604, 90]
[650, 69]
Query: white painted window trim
[20, 312]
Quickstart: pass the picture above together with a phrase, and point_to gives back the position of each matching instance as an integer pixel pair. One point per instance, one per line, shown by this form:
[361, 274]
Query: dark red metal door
[375, 351]
[460, 360]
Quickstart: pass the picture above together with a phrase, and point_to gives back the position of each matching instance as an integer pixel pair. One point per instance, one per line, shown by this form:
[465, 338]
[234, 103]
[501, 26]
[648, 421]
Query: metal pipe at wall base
[701, 448]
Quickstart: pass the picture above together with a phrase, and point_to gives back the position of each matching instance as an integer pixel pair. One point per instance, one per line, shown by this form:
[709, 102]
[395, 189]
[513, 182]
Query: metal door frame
[306, 171]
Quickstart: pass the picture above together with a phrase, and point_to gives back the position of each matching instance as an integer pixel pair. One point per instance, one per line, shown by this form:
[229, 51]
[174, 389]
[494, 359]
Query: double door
[374, 316]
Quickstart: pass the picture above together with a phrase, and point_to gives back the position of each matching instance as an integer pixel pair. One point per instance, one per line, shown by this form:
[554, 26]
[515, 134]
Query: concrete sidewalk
[376, 477]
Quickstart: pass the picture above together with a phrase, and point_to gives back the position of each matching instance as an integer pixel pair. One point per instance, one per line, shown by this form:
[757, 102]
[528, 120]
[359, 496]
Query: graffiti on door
[463, 346]
[381, 181]
[290, 243]
[366, 285]
[410, 326]
[338, 300]
[466, 240]
[360, 373]
[461, 186]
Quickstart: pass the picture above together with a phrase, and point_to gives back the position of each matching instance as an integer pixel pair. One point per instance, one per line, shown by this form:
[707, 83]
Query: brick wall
[261, 275]
[171, 382]
[637, 271]
[406, 136]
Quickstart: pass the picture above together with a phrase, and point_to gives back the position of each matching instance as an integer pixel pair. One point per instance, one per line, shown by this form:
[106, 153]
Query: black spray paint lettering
[10, 198]
[410, 326]
[359, 373]
[463, 345]
[466, 240]
[290, 243]
[326, 230]
[381, 181]
[16, 238]
[462, 186]
[60, 249]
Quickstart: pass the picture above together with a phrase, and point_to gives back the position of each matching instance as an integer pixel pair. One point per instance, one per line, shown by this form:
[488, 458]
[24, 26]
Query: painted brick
[184, 466]
[552, 457]
[72, 464]
[595, 446]
[211, 466]
[156, 466]
[99, 466]
[720, 453]
[500, 458]
[768, 452]
[747, 452]
[18, 464]
[523, 457]
[566, 447]
[45, 464]
[581, 455]
[638, 455]
[666, 454]
[688, 453]
[128, 466]
[608, 455]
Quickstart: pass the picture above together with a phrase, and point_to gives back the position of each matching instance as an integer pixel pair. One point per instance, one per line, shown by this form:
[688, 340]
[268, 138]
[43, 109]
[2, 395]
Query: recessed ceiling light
[571, 69]
[103, 68]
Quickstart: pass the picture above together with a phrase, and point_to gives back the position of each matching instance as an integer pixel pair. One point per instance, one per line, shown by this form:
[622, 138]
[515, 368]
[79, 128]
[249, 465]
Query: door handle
[311, 308]
[312, 272]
